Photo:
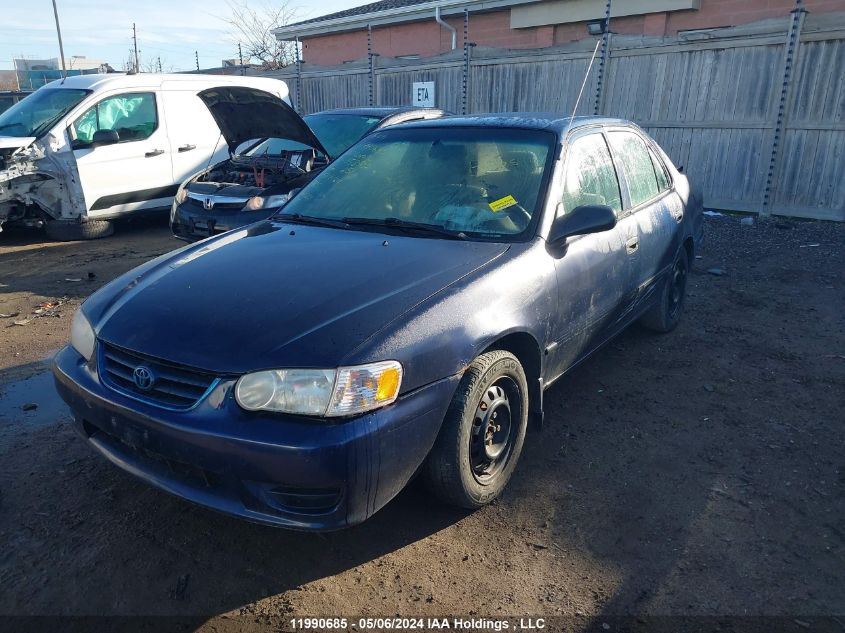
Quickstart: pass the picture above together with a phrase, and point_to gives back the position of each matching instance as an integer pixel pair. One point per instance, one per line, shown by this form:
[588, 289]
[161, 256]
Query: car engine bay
[264, 170]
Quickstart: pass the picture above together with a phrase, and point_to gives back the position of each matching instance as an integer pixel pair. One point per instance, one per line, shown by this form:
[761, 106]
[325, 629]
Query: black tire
[72, 230]
[455, 470]
[665, 314]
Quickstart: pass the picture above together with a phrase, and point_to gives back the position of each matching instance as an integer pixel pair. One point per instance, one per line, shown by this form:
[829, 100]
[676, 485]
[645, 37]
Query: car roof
[551, 121]
[99, 81]
[378, 111]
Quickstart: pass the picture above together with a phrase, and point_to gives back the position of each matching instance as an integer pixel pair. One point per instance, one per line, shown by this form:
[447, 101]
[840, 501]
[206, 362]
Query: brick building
[410, 28]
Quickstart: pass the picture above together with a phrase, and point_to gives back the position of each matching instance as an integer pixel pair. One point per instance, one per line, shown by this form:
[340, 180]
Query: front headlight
[260, 202]
[321, 392]
[82, 336]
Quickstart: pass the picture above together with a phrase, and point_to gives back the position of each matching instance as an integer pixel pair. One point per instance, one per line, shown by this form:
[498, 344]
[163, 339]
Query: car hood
[243, 114]
[277, 295]
[15, 142]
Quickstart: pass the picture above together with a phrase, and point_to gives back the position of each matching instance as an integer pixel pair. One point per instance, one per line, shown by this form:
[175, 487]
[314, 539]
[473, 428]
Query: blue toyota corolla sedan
[401, 315]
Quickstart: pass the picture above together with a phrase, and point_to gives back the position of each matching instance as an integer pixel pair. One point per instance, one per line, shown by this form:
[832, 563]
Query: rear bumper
[276, 470]
[191, 224]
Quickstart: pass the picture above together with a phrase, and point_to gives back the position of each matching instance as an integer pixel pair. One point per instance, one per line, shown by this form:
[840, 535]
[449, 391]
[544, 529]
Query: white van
[85, 150]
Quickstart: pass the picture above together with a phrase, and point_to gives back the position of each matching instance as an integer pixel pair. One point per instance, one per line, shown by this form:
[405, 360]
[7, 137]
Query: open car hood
[243, 114]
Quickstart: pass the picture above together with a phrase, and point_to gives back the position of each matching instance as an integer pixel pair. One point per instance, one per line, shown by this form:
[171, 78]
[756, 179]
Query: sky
[171, 29]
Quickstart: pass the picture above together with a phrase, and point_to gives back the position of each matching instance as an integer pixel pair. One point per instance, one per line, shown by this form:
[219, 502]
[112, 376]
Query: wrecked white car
[78, 153]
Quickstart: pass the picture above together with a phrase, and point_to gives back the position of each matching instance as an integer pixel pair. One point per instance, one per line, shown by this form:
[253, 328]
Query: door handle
[187, 148]
[155, 152]
[632, 244]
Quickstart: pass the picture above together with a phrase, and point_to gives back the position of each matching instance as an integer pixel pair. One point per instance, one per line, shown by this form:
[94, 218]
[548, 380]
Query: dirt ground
[700, 473]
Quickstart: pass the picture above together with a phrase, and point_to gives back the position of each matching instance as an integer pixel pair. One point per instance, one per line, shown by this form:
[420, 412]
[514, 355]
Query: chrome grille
[173, 386]
[201, 200]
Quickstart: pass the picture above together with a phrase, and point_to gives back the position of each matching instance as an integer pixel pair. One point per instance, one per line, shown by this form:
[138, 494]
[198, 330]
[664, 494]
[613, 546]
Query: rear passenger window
[590, 175]
[637, 168]
[660, 171]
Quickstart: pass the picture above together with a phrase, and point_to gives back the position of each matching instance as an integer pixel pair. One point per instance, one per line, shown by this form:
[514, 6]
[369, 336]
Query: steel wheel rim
[676, 289]
[494, 427]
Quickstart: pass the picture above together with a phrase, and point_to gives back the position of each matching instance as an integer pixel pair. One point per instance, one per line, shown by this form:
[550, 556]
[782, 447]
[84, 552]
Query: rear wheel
[483, 433]
[71, 230]
[666, 312]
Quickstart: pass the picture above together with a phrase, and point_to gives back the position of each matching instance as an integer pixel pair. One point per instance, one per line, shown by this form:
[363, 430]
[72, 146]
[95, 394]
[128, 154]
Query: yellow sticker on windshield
[502, 203]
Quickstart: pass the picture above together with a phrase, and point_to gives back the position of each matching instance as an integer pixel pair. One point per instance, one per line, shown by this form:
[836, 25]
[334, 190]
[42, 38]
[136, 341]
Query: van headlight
[82, 337]
[321, 392]
[270, 202]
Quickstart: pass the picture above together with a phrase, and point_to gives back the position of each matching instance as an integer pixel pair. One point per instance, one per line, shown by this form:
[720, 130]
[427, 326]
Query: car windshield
[35, 115]
[337, 132]
[482, 183]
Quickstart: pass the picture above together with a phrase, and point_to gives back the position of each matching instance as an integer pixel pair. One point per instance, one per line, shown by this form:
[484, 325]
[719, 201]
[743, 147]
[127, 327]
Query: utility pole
[135, 46]
[159, 63]
[197, 57]
[59, 33]
[241, 57]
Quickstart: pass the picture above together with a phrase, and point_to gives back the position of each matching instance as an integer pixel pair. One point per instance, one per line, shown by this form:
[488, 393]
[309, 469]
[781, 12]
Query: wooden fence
[755, 114]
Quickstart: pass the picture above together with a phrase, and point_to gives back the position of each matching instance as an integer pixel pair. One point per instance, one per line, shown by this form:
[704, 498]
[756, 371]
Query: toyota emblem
[144, 378]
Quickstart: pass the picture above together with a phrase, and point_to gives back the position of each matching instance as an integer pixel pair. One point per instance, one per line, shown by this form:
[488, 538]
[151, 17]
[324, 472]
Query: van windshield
[36, 114]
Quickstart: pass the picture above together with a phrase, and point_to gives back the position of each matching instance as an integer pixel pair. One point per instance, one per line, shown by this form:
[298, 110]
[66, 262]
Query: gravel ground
[698, 473]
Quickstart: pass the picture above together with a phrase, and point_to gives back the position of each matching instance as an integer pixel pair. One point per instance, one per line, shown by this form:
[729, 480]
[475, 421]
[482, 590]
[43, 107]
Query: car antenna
[583, 85]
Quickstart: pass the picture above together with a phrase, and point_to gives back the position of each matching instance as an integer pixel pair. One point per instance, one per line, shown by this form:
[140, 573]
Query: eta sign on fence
[422, 94]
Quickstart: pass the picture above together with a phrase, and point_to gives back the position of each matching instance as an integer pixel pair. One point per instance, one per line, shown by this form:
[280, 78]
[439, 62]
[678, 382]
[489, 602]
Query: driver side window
[590, 176]
[132, 116]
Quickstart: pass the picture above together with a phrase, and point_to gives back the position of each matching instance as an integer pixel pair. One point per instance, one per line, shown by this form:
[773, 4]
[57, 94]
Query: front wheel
[482, 434]
[72, 230]
[665, 314]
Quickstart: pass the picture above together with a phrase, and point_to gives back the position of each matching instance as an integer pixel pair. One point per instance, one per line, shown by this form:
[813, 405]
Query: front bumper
[277, 470]
[190, 223]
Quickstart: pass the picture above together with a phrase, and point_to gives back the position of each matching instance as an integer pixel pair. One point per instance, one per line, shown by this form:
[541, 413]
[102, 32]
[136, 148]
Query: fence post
[467, 54]
[298, 78]
[792, 47]
[605, 48]
[371, 58]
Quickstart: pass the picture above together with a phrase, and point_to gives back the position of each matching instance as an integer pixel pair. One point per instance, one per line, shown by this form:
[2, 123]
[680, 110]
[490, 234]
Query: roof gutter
[446, 25]
[417, 12]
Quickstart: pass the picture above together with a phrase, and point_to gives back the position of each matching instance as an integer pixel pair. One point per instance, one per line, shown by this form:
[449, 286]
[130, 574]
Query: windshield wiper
[408, 225]
[310, 219]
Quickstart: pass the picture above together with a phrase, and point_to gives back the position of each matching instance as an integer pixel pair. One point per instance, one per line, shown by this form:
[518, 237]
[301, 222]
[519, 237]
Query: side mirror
[588, 218]
[105, 137]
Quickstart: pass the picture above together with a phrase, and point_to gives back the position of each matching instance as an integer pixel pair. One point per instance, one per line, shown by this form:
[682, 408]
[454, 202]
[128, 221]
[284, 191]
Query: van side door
[131, 170]
[195, 139]
[594, 274]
